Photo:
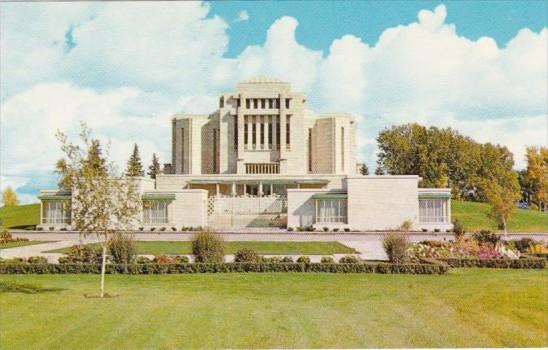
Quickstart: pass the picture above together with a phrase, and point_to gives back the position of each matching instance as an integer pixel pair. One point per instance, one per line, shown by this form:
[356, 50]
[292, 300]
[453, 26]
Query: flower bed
[137, 269]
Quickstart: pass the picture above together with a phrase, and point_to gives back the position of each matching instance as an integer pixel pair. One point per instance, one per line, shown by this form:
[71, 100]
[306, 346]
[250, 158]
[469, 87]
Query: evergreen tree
[154, 168]
[379, 170]
[95, 161]
[364, 170]
[134, 165]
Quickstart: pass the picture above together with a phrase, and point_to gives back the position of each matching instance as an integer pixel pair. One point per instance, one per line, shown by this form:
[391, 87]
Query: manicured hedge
[527, 262]
[137, 269]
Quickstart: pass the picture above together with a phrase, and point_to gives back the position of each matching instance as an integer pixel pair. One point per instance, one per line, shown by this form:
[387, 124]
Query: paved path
[369, 245]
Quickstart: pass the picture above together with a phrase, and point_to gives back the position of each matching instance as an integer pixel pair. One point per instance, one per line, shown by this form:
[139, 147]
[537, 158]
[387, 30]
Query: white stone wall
[188, 209]
[382, 202]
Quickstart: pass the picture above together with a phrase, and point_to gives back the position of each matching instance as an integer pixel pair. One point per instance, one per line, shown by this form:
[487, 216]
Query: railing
[262, 168]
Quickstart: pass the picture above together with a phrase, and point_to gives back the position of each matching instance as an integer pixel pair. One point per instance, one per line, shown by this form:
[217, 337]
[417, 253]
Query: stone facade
[263, 159]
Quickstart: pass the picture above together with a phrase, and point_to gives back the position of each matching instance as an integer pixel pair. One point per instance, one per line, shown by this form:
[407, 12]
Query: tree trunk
[504, 226]
[103, 263]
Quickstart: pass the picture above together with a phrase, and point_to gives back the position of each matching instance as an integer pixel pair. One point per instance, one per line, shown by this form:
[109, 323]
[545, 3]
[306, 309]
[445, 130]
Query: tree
[134, 165]
[154, 168]
[9, 197]
[103, 203]
[364, 170]
[502, 195]
[379, 170]
[537, 173]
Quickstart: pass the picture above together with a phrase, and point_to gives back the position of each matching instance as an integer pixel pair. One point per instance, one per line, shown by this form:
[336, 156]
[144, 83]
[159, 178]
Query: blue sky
[125, 68]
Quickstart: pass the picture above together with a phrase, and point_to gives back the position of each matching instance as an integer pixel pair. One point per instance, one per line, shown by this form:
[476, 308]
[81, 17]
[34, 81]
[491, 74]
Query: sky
[124, 68]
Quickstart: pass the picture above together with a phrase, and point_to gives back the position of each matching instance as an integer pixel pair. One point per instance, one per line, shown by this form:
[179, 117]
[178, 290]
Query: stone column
[217, 189]
[260, 188]
[233, 189]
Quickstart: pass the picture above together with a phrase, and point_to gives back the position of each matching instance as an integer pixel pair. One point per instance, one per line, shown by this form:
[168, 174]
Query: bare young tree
[103, 203]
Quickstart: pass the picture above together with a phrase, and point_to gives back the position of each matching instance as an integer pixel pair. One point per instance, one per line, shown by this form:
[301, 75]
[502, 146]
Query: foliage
[525, 263]
[9, 197]
[488, 252]
[181, 268]
[502, 196]
[349, 259]
[395, 245]
[208, 247]
[537, 248]
[458, 229]
[81, 253]
[303, 259]
[170, 259]
[134, 165]
[122, 248]
[103, 203]
[246, 255]
[37, 260]
[286, 259]
[406, 226]
[154, 168]
[6, 237]
[486, 236]
[522, 245]
[327, 260]
[537, 174]
[364, 170]
[442, 157]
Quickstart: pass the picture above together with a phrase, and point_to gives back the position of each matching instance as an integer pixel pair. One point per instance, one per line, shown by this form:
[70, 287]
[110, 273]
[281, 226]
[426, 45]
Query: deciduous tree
[537, 173]
[9, 197]
[103, 203]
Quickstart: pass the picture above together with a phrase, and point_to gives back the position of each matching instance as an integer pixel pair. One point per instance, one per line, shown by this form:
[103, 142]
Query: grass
[475, 217]
[20, 244]
[20, 216]
[466, 308]
[185, 247]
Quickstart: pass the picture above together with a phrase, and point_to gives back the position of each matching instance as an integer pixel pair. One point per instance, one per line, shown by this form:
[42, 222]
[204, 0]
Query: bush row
[527, 262]
[137, 269]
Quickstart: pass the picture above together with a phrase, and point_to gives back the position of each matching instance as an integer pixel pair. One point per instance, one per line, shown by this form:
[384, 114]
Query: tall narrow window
[215, 150]
[310, 150]
[182, 150]
[221, 102]
[342, 149]
[262, 133]
[255, 103]
[247, 103]
[246, 137]
[270, 132]
[254, 134]
[238, 102]
[270, 103]
[263, 103]
[235, 132]
[287, 103]
[278, 137]
[288, 132]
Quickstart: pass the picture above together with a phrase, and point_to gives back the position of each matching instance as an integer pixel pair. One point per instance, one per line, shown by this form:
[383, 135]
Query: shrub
[208, 247]
[303, 260]
[122, 248]
[335, 229]
[37, 260]
[162, 229]
[170, 259]
[522, 244]
[143, 260]
[152, 229]
[537, 248]
[287, 259]
[346, 229]
[424, 230]
[174, 229]
[5, 236]
[437, 230]
[51, 228]
[63, 229]
[458, 229]
[310, 228]
[325, 229]
[327, 260]
[395, 245]
[406, 226]
[289, 229]
[246, 255]
[300, 228]
[533, 207]
[486, 236]
[86, 254]
[141, 228]
[271, 260]
[40, 229]
[349, 259]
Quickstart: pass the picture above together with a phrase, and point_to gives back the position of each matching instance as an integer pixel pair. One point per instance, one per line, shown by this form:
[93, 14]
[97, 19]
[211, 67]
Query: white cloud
[131, 65]
[242, 16]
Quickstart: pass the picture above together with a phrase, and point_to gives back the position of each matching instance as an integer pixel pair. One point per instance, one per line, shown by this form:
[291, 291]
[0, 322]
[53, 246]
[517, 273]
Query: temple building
[263, 159]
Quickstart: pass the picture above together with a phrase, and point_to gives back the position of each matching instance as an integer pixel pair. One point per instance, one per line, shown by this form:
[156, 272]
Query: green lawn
[475, 216]
[20, 244]
[179, 247]
[21, 215]
[465, 308]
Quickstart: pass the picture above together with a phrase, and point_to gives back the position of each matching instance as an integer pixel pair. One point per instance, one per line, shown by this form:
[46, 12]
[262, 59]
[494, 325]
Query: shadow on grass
[10, 287]
[105, 296]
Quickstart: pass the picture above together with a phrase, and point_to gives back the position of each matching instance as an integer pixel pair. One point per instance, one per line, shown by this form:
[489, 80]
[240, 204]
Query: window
[263, 103]
[238, 102]
[310, 149]
[246, 138]
[255, 103]
[276, 103]
[56, 212]
[287, 132]
[433, 211]
[277, 132]
[247, 103]
[262, 133]
[155, 212]
[254, 133]
[331, 211]
[342, 149]
[221, 102]
[182, 150]
[287, 103]
[270, 103]
[235, 132]
[215, 150]
[269, 133]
